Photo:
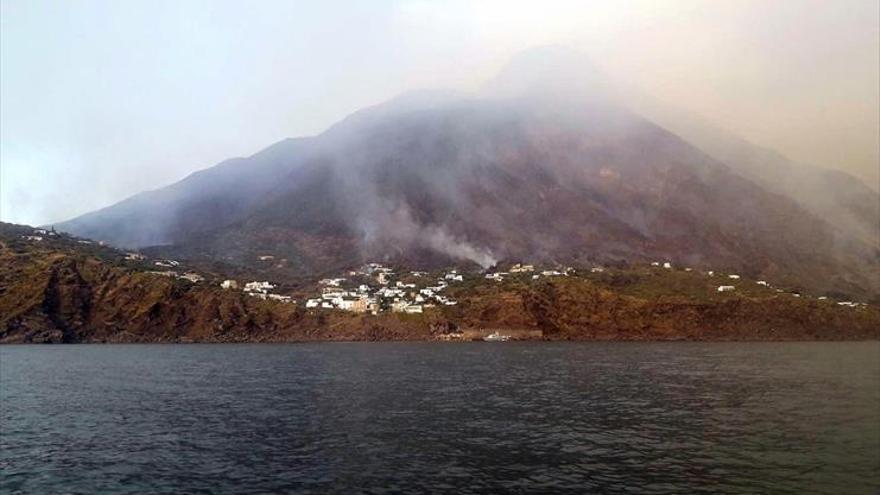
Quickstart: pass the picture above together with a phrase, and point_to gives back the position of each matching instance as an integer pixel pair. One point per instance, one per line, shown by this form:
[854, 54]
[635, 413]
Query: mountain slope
[540, 174]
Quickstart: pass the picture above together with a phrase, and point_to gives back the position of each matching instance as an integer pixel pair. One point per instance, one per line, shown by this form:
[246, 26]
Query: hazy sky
[103, 99]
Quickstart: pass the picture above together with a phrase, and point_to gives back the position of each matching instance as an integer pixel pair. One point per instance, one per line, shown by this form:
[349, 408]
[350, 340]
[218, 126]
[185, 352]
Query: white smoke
[393, 224]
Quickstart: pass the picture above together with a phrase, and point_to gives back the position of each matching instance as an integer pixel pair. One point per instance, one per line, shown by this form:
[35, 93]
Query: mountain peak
[555, 70]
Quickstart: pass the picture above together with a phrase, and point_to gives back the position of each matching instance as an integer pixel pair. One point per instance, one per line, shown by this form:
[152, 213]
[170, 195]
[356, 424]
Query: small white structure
[597, 269]
[192, 277]
[667, 265]
[454, 277]
[134, 256]
[262, 287]
[280, 298]
[725, 288]
[498, 277]
[413, 308]
[551, 273]
[35, 238]
[655, 263]
[762, 282]
[520, 268]
[313, 303]
[266, 257]
[735, 277]
[229, 284]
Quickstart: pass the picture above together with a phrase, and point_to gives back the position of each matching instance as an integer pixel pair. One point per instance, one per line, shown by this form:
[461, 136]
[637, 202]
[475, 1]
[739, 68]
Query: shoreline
[442, 341]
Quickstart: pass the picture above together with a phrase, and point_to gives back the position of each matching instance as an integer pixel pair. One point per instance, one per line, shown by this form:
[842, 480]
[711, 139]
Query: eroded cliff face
[54, 296]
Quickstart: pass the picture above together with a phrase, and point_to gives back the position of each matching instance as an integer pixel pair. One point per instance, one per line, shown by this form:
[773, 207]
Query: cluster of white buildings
[38, 235]
[383, 293]
[260, 290]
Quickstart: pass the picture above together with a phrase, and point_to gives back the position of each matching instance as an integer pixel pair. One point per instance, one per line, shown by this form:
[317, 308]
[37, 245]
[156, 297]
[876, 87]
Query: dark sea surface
[431, 417]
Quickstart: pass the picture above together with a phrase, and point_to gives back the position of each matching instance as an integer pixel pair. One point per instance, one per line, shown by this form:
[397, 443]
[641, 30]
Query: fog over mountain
[545, 163]
[102, 100]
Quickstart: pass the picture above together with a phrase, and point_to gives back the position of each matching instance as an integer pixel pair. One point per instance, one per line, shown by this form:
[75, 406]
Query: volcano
[543, 165]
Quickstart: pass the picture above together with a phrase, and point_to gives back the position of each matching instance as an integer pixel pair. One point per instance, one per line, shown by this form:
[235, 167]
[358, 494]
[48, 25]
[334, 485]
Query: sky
[101, 99]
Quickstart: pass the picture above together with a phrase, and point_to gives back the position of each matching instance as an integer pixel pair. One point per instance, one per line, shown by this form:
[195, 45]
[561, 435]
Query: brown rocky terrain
[57, 291]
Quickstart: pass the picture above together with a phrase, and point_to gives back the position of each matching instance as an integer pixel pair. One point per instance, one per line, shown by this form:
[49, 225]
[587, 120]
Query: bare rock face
[548, 169]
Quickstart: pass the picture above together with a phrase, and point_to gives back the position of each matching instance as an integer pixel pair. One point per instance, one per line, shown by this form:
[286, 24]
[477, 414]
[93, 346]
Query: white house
[399, 306]
[667, 265]
[313, 303]
[258, 287]
[520, 268]
[192, 277]
[735, 277]
[412, 308]
[280, 298]
[762, 282]
[725, 288]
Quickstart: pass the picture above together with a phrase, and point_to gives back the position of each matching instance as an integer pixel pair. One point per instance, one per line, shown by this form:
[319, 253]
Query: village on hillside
[375, 288]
